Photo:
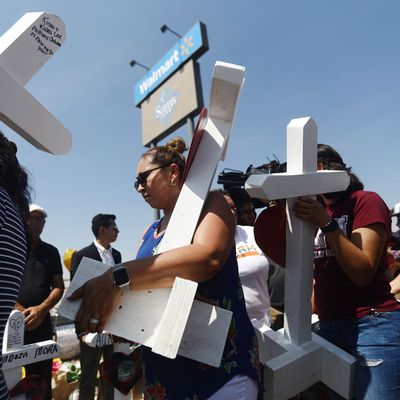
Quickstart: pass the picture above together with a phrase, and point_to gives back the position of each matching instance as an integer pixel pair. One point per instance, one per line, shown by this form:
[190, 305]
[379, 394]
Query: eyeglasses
[141, 179]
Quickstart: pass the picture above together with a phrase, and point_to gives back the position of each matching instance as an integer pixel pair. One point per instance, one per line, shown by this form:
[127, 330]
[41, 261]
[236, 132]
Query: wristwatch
[331, 226]
[120, 276]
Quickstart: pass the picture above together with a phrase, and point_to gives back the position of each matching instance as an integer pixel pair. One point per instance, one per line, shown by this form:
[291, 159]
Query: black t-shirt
[43, 263]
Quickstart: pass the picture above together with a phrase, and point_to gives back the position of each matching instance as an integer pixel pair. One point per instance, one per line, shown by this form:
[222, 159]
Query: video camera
[230, 178]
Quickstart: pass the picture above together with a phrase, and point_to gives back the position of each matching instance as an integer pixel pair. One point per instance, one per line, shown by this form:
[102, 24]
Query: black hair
[100, 220]
[13, 177]
[332, 160]
[239, 197]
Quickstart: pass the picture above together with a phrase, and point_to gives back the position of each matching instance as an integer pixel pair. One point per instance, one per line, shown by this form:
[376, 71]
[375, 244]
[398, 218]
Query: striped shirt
[13, 248]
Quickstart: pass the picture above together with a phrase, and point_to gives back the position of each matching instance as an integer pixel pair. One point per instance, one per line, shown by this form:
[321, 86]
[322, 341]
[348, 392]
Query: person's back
[253, 272]
[14, 202]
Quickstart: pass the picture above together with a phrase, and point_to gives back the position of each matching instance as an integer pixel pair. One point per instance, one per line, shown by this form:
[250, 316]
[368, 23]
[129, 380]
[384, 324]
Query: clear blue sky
[337, 61]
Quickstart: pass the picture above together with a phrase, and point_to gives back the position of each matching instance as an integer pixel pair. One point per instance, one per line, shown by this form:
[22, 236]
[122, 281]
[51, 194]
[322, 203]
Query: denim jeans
[374, 340]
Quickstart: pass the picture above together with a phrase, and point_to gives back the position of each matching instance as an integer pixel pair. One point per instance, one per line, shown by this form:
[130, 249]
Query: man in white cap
[41, 289]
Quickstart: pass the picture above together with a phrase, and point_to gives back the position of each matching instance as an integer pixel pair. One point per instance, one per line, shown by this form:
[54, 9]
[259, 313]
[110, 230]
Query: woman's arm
[198, 261]
[360, 256]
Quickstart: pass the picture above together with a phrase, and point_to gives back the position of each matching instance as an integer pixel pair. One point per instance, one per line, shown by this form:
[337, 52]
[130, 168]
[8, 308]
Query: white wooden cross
[16, 354]
[170, 321]
[295, 358]
[24, 48]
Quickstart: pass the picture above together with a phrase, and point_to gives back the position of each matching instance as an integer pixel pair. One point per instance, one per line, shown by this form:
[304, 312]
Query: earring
[171, 183]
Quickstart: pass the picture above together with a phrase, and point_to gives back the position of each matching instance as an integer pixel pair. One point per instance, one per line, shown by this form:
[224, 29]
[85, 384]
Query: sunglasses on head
[141, 179]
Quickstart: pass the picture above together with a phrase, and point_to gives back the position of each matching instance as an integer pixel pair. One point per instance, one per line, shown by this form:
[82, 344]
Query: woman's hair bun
[176, 144]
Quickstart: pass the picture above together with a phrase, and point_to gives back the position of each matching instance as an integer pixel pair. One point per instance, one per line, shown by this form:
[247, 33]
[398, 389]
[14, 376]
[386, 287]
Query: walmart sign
[192, 45]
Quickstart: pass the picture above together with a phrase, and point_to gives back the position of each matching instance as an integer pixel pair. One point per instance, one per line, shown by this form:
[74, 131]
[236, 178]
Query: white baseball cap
[396, 209]
[35, 207]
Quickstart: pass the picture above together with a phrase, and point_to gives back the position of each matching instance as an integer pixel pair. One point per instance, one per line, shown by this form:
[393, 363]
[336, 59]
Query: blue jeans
[374, 341]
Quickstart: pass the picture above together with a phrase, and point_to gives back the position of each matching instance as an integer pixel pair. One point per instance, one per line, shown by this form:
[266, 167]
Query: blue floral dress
[186, 379]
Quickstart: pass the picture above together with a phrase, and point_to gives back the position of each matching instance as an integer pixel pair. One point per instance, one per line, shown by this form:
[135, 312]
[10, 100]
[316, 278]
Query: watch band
[331, 226]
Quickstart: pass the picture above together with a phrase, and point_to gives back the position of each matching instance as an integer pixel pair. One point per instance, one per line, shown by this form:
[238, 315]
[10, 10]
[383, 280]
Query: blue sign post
[192, 45]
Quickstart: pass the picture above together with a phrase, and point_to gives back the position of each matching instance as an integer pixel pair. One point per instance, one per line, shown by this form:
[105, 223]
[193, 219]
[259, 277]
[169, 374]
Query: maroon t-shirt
[336, 296]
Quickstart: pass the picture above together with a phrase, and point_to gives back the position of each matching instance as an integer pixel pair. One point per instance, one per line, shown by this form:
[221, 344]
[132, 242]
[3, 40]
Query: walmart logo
[186, 45]
[189, 46]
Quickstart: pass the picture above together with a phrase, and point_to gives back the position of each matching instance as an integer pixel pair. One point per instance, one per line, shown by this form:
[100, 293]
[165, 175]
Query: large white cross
[170, 321]
[297, 358]
[16, 354]
[24, 48]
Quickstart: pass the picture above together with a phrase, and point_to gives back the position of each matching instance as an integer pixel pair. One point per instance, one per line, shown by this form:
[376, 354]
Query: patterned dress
[182, 378]
[12, 260]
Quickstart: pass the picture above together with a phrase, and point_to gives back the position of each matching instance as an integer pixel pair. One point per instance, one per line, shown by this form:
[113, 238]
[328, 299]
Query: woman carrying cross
[209, 260]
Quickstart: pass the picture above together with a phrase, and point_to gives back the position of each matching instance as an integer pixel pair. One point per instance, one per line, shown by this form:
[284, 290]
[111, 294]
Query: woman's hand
[310, 210]
[99, 298]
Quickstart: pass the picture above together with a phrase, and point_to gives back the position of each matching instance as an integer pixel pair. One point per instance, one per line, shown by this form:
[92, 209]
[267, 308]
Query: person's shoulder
[365, 194]
[245, 230]
[86, 249]
[114, 250]
[367, 197]
[48, 247]
[216, 199]
[5, 201]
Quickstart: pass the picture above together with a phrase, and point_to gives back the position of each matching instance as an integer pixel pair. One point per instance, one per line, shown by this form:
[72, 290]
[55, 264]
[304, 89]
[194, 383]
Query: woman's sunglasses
[141, 179]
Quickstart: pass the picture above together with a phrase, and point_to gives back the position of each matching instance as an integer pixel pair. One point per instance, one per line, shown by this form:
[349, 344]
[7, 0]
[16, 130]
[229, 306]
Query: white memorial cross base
[170, 321]
[297, 358]
[24, 48]
[16, 354]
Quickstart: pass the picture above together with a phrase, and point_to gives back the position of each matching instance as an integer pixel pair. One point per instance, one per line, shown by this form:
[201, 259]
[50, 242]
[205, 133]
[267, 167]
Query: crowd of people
[356, 278]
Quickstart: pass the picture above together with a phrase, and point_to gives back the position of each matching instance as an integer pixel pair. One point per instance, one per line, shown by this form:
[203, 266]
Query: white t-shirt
[253, 272]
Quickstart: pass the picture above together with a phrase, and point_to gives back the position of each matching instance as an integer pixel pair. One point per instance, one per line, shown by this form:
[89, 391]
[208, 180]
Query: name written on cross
[46, 32]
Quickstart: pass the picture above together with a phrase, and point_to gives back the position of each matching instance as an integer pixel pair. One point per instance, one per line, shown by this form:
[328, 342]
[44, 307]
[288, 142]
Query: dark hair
[169, 154]
[239, 197]
[13, 177]
[332, 160]
[100, 220]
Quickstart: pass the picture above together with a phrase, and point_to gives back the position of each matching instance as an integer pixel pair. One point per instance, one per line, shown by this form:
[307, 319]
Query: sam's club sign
[192, 45]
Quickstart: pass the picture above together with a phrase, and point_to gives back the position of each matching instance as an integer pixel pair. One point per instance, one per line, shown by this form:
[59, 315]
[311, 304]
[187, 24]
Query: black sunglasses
[141, 179]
